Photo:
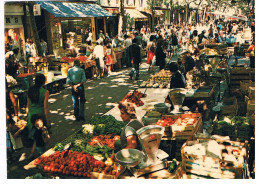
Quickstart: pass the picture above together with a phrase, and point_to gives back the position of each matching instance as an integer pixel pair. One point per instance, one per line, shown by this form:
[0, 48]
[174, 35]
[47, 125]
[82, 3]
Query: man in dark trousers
[76, 77]
[135, 58]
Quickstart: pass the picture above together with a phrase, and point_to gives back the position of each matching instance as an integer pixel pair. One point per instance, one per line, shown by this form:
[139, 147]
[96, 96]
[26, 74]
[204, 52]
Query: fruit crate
[240, 71]
[215, 167]
[204, 92]
[230, 106]
[188, 131]
[245, 84]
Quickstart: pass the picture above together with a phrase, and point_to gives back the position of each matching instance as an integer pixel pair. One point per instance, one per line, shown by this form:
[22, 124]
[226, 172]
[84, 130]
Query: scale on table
[177, 97]
[153, 158]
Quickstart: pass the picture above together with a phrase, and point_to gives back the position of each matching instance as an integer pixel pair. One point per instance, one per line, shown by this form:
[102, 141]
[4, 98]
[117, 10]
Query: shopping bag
[16, 142]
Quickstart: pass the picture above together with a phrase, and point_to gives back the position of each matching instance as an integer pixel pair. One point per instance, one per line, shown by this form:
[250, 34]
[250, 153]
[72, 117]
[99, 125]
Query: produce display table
[56, 84]
[154, 96]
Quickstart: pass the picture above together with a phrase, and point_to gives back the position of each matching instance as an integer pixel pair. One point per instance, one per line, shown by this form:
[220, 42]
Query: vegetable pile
[161, 79]
[237, 127]
[135, 98]
[178, 124]
[165, 121]
[106, 124]
[108, 140]
[173, 166]
[75, 164]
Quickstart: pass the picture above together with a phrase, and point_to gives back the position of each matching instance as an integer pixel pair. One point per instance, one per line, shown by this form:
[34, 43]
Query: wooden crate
[251, 92]
[251, 105]
[202, 94]
[189, 131]
[214, 167]
[229, 109]
[240, 77]
[96, 175]
[240, 70]
[244, 85]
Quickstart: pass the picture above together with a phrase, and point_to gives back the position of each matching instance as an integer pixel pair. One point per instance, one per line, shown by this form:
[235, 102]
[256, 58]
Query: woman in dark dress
[160, 54]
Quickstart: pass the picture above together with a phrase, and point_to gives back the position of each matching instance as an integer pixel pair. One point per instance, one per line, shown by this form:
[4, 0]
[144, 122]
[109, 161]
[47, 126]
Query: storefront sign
[37, 10]
[13, 20]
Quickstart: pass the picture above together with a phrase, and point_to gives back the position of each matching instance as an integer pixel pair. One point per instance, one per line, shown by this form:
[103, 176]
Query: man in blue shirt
[76, 77]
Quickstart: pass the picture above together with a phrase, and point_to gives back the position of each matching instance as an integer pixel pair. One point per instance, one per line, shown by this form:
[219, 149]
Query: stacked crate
[238, 74]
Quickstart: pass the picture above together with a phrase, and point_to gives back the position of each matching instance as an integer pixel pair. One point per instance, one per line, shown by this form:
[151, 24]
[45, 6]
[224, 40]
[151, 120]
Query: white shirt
[99, 51]
[127, 42]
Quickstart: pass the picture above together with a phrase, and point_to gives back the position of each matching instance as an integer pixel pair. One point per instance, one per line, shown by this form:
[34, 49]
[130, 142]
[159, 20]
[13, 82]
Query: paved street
[101, 95]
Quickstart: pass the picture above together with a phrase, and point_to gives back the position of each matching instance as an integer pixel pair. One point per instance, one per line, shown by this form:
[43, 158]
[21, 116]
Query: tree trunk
[152, 24]
[34, 29]
[48, 32]
[122, 21]
[187, 13]
[171, 15]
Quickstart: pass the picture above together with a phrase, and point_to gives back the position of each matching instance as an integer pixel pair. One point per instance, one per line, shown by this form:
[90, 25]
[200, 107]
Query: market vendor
[128, 137]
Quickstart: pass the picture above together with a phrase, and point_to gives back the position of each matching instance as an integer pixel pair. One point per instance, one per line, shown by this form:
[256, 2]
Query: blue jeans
[78, 99]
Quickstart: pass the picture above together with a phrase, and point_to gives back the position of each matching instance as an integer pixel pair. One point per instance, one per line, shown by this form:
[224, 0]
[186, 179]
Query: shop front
[73, 23]
[112, 30]
[139, 19]
[14, 29]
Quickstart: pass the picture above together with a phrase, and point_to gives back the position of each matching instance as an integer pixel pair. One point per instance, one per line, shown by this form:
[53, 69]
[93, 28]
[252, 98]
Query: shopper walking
[160, 54]
[99, 54]
[76, 77]
[44, 47]
[135, 58]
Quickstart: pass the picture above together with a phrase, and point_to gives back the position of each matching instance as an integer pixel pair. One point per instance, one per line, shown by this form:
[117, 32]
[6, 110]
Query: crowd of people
[161, 45]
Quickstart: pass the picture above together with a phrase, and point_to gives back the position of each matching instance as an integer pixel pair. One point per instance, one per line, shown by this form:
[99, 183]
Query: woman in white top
[99, 54]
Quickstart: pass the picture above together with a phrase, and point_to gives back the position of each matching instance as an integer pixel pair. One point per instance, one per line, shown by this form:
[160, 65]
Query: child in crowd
[40, 135]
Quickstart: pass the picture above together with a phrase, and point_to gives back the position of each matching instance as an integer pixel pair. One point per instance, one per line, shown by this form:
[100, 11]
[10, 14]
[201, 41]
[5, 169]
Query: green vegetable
[106, 124]
[172, 166]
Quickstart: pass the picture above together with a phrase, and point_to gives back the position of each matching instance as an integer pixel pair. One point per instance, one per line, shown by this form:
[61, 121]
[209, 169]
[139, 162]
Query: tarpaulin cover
[69, 9]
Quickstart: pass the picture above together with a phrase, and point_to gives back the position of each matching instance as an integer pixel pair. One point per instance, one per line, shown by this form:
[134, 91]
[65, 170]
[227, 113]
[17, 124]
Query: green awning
[73, 9]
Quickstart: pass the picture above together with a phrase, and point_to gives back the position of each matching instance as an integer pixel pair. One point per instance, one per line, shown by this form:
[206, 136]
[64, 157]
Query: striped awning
[136, 15]
[73, 9]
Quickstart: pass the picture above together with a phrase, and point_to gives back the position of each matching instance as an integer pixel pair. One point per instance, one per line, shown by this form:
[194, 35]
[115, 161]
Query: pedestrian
[12, 64]
[150, 49]
[202, 36]
[109, 60]
[44, 47]
[135, 58]
[126, 43]
[89, 48]
[11, 105]
[251, 50]
[99, 55]
[37, 102]
[76, 77]
[115, 42]
[160, 54]
[174, 40]
[33, 50]
[40, 135]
